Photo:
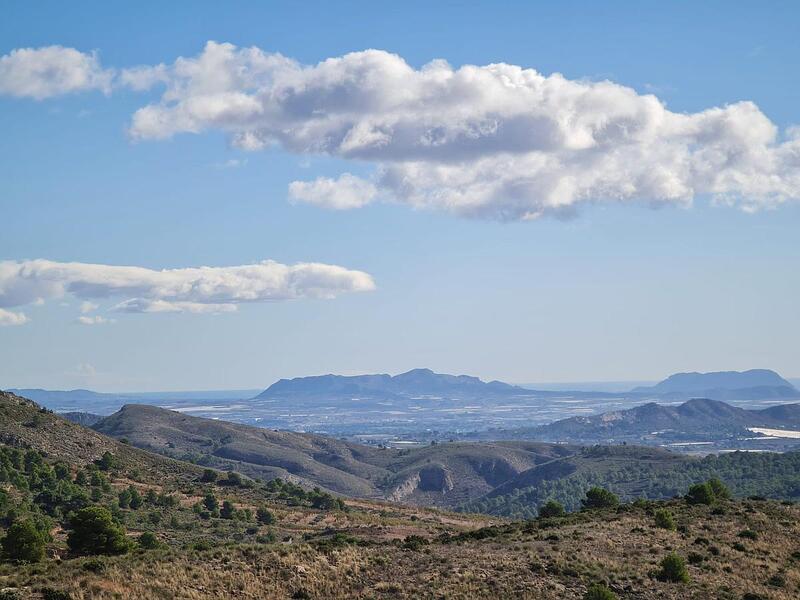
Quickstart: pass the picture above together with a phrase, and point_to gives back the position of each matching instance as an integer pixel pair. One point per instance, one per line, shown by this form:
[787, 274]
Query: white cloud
[346, 192]
[51, 71]
[497, 141]
[142, 78]
[8, 318]
[194, 290]
[93, 320]
[87, 307]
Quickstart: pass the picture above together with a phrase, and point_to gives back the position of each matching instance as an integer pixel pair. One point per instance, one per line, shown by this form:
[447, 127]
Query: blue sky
[613, 290]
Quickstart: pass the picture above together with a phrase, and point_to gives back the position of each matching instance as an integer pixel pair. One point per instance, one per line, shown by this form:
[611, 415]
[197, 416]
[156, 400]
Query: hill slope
[441, 475]
[698, 417]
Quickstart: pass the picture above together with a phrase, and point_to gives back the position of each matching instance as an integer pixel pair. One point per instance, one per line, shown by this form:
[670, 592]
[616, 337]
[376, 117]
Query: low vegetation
[118, 523]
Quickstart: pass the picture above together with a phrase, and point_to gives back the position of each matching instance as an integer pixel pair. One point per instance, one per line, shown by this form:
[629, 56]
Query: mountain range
[700, 416]
[412, 383]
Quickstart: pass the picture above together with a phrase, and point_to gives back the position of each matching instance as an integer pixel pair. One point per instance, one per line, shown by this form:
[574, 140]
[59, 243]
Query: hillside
[708, 419]
[312, 546]
[440, 475]
[636, 472]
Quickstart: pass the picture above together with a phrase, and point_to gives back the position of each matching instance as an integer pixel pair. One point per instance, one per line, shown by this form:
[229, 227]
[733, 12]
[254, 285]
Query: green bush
[597, 497]
[721, 491]
[210, 502]
[673, 569]
[24, 542]
[265, 516]
[598, 591]
[700, 493]
[209, 476]
[94, 531]
[552, 508]
[107, 461]
[148, 541]
[748, 534]
[228, 511]
[665, 520]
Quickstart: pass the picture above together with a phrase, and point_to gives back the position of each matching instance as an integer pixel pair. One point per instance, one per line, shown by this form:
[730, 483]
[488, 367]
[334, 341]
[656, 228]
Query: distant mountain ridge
[696, 416]
[414, 382]
[720, 380]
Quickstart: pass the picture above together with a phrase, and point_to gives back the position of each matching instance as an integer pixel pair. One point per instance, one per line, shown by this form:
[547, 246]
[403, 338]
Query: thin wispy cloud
[93, 320]
[198, 290]
[498, 141]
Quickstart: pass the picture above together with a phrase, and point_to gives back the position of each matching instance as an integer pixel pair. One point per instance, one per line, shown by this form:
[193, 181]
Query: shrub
[665, 520]
[265, 516]
[107, 461]
[148, 541]
[135, 498]
[415, 542]
[700, 493]
[695, 558]
[597, 497]
[748, 534]
[233, 479]
[94, 531]
[598, 591]
[228, 511]
[210, 502]
[673, 569]
[552, 508]
[209, 476]
[51, 594]
[24, 542]
[721, 491]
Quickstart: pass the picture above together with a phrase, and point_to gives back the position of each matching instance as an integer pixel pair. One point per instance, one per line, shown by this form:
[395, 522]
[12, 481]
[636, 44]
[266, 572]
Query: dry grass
[515, 561]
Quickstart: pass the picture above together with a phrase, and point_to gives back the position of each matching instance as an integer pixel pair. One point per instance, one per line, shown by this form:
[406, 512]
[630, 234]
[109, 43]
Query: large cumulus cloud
[498, 141]
[194, 290]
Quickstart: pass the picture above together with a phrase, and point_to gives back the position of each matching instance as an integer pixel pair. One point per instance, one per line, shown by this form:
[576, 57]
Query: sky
[202, 195]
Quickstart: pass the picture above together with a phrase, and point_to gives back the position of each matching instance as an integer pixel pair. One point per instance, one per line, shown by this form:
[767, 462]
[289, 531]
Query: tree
[673, 569]
[721, 491]
[233, 479]
[265, 516]
[552, 508]
[208, 476]
[228, 510]
[210, 502]
[124, 498]
[94, 531]
[107, 461]
[597, 497]
[664, 519]
[700, 493]
[136, 498]
[61, 470]
[598, 591]
[24, 542]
